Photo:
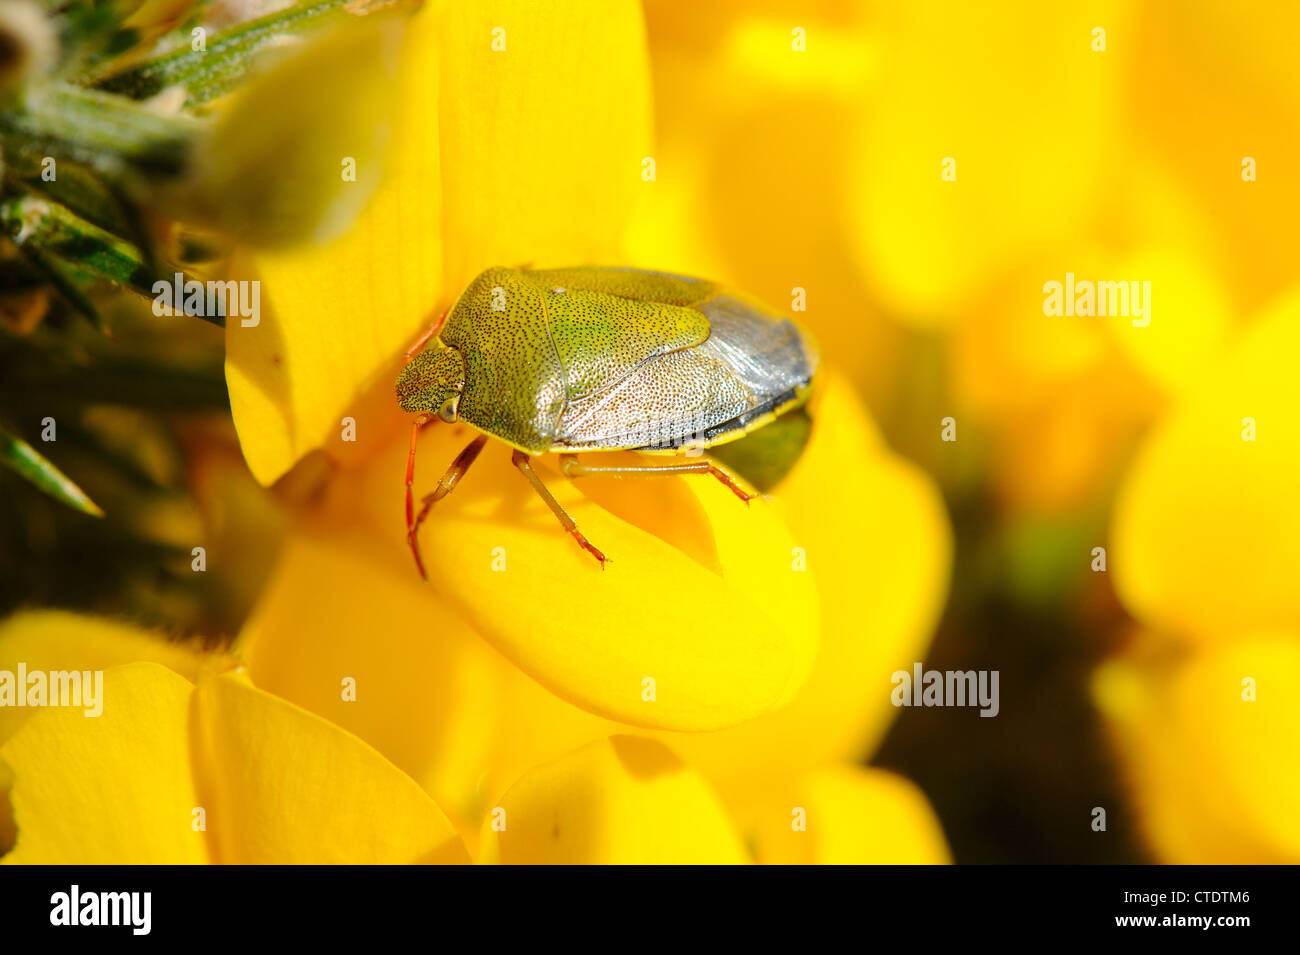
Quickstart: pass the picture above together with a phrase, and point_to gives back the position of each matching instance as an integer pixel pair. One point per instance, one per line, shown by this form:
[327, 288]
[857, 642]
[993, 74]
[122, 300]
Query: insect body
[600, 359]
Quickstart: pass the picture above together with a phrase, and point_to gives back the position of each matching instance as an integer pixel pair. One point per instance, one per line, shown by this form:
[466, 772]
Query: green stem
[106, 132]
[212, 72]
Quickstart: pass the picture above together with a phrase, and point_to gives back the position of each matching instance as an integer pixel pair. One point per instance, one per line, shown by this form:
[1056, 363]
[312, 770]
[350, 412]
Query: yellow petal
[545, 121]
[926, 243]
[1230, 69]
[276, 783]
[751, 95]
[109, 790]
[1063, 399]
[623, 800]
[1215, 776]
[429, 693]
[422, 688]
[284, 786]
[847, 816]
[57, 640]
[334, 317]
[1206, 523]
[272, 170]
[1179, 252]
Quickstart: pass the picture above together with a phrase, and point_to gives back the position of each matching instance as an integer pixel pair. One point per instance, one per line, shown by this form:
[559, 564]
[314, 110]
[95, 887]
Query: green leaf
[20, 457]
[68, 250]
[85, 194]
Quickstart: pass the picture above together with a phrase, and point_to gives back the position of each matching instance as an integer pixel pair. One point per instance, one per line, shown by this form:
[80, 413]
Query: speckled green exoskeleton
[600, 359]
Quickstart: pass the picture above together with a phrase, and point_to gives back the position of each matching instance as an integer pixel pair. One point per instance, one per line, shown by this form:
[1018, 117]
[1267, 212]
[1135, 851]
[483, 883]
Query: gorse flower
[297, 377]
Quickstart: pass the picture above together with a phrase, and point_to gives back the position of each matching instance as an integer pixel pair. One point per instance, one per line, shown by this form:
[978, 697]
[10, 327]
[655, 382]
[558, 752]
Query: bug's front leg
[573, 468]
[416, 425]
[522, 463]
[450, 478]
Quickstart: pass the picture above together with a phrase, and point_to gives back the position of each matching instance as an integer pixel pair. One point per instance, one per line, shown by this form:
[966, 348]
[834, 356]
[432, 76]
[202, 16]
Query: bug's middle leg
[521, 462]
[573, 468]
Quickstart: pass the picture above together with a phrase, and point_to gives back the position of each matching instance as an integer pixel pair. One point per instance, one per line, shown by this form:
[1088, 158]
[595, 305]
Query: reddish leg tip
[415, 552]
[590, 548]
[731, 485]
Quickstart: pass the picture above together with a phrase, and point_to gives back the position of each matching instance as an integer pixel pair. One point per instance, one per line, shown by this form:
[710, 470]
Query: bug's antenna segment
[424, 339]
[411, 524]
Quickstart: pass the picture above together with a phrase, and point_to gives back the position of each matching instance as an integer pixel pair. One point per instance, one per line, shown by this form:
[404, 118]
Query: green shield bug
[600, 359]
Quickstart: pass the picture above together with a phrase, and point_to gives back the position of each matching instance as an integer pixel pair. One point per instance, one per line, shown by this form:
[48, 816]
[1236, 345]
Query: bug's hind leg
[450, 478]
[521, 462]
[573, 468]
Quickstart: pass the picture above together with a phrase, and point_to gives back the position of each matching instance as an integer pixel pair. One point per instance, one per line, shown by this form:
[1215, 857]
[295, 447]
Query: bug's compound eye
[449, 408]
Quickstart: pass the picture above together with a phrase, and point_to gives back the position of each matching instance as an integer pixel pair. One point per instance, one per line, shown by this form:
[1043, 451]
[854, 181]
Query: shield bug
[600, 359]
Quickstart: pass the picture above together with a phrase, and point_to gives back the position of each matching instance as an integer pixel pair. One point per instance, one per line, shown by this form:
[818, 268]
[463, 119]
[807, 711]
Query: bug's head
[432, 381]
